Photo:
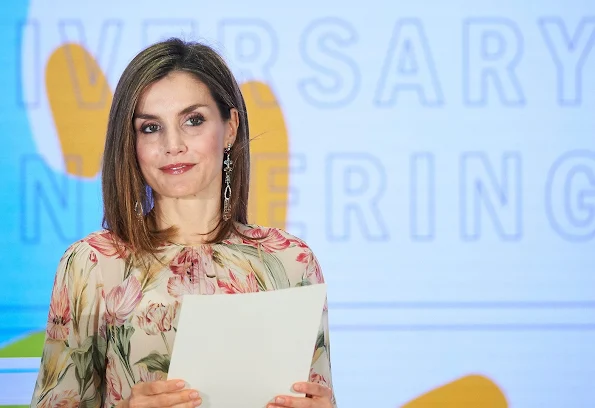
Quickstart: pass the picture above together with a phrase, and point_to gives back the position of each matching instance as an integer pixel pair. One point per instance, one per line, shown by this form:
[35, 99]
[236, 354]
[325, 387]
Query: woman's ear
[233, 123]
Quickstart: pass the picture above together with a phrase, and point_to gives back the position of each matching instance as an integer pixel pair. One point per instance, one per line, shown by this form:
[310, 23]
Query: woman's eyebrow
[182, 112]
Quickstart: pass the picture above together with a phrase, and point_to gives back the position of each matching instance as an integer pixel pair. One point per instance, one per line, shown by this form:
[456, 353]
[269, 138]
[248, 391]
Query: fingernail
[280, 400]
[194, 395]
[180, 384]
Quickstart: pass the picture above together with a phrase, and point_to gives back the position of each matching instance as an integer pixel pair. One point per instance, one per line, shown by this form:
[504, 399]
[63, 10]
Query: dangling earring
[138, 209]
[227, 192]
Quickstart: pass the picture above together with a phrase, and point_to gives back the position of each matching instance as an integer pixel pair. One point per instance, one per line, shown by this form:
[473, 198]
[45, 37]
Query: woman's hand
[161, 394]
[318, 396]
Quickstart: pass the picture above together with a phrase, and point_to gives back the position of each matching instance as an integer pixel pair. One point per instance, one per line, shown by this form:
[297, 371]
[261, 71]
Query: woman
[175, 190]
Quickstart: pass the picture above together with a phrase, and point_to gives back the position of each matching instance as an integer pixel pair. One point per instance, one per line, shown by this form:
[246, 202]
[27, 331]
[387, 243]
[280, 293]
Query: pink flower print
[157, 318]
[207, 251]
[237, 285]
[209, 286]
[59, 315]
[93, 257]
[121, 301]
[205, 258]
[148, 376]
[318, 378]
[104, 244]
[299, 243]
[181, 285]
[181, 264]
[314, 273]
[114, 384]
[103, 330]
[189, 274]
[273, 242]
[305, 257]
[65, 399]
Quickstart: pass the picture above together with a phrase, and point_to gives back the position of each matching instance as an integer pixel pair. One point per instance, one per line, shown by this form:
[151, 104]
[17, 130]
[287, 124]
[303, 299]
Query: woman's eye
[194, 121]
[151, 128]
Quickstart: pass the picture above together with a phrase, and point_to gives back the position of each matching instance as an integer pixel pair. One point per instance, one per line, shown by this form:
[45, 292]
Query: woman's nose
[174, 142]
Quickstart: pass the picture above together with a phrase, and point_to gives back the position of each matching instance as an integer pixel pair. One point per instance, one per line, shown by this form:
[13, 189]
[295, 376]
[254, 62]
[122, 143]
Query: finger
[157, 387]
[285, 401]
[184, 398]
[313, 389]
[190, 404]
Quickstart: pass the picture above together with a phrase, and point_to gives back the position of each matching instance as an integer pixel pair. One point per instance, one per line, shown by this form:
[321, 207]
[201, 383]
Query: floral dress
[112, 324]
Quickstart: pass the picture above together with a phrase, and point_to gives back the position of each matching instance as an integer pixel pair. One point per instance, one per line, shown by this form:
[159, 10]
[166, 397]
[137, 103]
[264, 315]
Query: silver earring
[138, 209]
[227, 192]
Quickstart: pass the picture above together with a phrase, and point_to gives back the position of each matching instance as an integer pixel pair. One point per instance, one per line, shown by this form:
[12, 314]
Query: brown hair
[122, 181]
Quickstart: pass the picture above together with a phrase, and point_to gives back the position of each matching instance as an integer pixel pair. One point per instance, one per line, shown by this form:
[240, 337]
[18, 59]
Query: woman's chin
[180, 193]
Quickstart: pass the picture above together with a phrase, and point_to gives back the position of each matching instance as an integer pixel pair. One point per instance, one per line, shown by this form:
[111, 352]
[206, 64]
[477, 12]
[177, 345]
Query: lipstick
[176, 168]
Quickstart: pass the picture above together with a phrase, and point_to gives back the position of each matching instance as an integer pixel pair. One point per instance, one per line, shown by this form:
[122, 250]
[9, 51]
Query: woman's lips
[177, 168]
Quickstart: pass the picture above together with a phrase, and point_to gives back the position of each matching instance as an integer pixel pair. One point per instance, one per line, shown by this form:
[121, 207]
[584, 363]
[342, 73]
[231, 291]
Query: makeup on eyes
[194, 116]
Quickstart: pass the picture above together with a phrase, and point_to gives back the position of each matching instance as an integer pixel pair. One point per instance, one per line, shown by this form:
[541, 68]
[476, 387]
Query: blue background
[442, 168]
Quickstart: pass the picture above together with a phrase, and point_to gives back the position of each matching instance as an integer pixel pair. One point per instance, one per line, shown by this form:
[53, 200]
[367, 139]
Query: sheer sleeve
[72, 368]
[320, 371]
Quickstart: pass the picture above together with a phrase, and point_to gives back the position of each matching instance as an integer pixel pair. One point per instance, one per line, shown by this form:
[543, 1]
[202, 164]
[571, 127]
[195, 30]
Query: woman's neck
[195, 219]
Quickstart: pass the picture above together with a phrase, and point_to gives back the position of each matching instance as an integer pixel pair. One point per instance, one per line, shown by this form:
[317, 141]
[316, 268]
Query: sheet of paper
[242, 350]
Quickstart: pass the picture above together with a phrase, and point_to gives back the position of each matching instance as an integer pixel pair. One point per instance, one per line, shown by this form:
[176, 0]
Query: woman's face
[180, 137]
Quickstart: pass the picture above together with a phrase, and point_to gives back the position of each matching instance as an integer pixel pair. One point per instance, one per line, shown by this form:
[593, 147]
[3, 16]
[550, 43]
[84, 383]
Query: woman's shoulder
[272, 238]
[99, 243]
[295, 254]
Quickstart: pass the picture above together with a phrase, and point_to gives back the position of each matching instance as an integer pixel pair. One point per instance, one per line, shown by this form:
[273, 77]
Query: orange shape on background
[269, 156]
[80, 98]
[472, 391]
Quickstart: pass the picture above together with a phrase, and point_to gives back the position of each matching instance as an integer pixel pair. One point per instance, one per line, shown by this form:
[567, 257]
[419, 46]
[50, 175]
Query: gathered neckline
[233, 239]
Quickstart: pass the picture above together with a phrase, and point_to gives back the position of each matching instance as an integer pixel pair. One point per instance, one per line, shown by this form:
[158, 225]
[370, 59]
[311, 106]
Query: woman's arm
[320, 371]
[72, 368]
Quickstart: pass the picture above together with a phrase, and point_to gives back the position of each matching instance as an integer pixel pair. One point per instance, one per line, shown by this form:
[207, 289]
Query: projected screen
[438, 157]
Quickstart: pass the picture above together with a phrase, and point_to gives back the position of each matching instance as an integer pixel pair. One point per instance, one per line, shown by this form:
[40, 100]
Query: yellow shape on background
[269, 156]
[472, 391]
[80, 99]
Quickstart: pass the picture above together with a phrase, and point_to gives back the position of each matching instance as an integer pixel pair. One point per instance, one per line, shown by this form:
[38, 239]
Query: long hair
[122, 182]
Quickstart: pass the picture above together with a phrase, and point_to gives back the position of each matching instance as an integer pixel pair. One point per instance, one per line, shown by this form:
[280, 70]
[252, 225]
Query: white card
[242, 350]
